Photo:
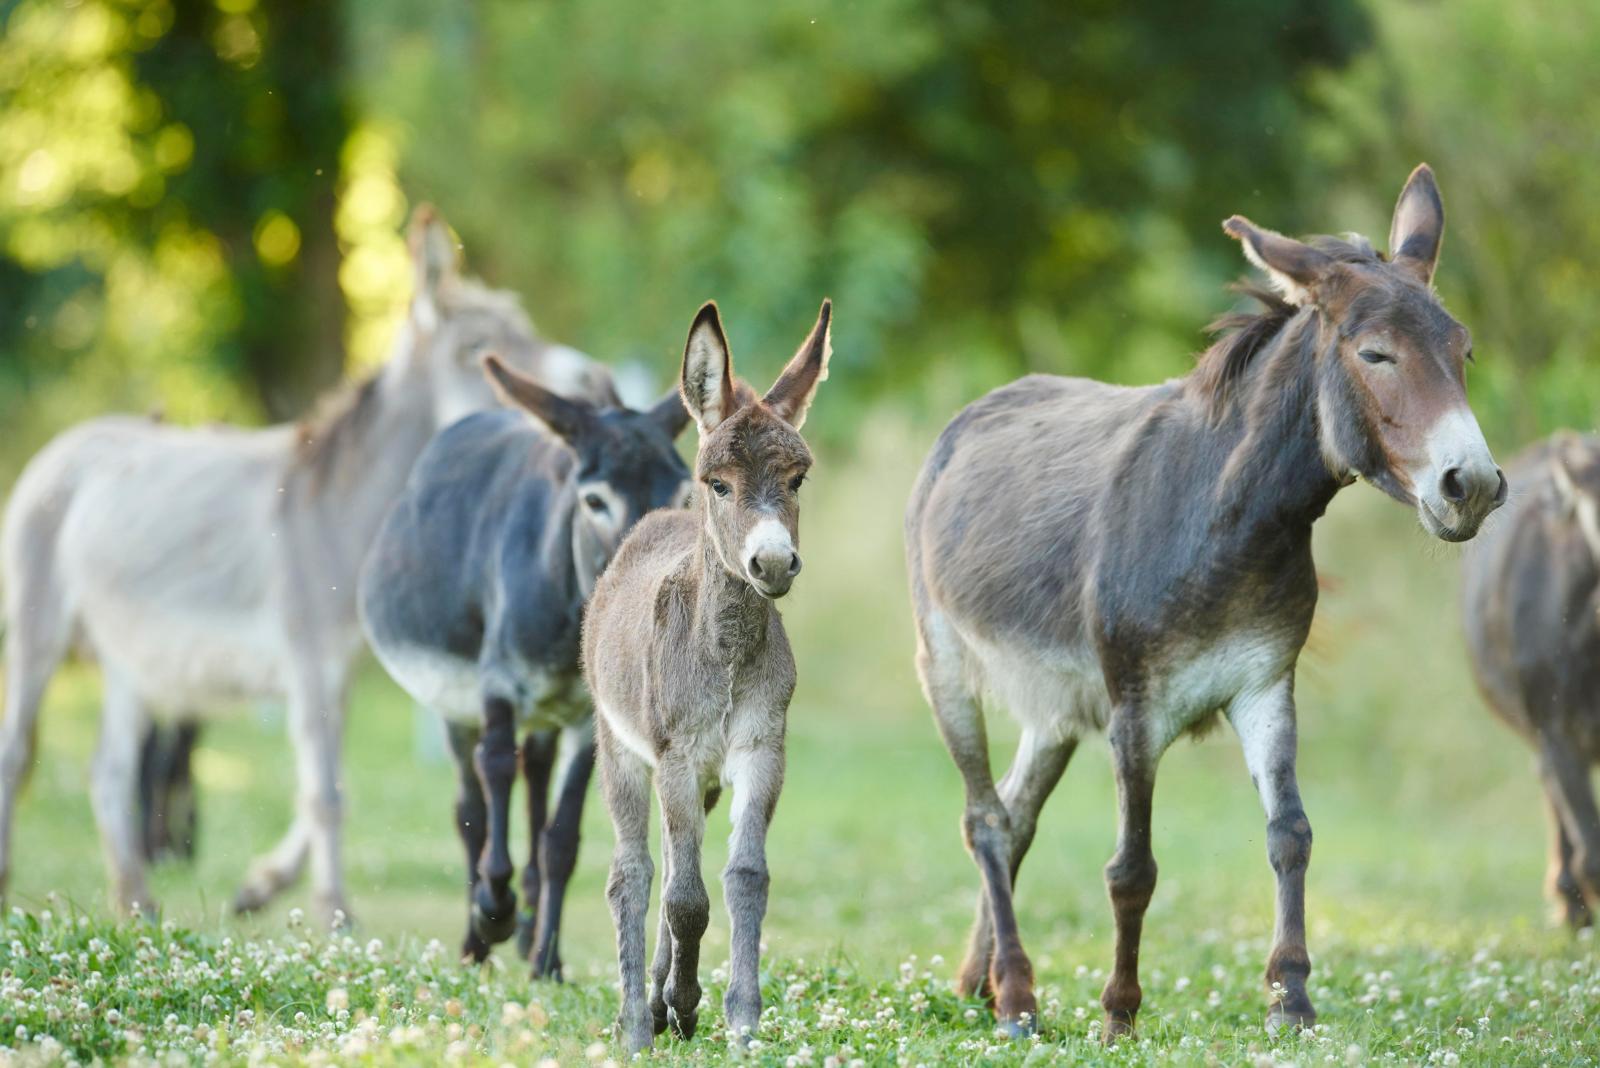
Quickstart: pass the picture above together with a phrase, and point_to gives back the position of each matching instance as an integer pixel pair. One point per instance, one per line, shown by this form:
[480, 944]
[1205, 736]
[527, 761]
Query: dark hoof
[1281, 1021]
[526, 922]
[1026, 1027]
[1118, 1025]
[658, 1017]
[548, 971]
[493, 921]
[683, 1025]
[474, 950]
[248, 900]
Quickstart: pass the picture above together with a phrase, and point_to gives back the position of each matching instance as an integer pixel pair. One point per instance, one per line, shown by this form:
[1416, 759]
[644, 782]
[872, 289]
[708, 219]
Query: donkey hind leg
[558, 844]
[36, 638]
[625, 779]
[166, 791]
[113, 786]
[1561, 884]
[683, 897]
[1131, 872]
[471, 815]
[1566, 777]
[1265, 723]
[538, 759]
[757, 777]
[494, 902]
[1033, 775]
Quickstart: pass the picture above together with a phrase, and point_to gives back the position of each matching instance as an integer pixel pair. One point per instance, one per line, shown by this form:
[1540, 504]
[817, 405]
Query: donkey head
[1392, 401]
[454, 321]
[625, 466]
[752, 458]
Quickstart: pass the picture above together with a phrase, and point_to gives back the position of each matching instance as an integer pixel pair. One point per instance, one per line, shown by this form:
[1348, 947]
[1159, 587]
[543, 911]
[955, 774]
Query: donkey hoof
[1118, 1025]
[1024, 1027]
[494, 921]
[474, 950]
[249, 899]
[526, 923]
[548, 970]
[683, 1024]
[1281, 1020]
[658, 1016]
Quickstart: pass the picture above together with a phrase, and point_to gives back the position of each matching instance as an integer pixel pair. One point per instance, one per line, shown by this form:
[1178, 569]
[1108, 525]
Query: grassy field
[1426, 925]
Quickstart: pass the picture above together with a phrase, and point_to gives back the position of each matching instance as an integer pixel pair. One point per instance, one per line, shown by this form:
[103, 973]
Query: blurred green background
[200, 212]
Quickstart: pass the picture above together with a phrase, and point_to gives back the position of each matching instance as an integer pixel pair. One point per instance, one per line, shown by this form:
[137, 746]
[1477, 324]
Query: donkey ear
[707, 379]
[791, 394]
[569, 420]
[670, 414]
[1293, 267]
[1418, 227]
[433, 255]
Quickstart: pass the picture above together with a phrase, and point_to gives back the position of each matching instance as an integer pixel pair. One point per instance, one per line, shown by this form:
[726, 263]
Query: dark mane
[321, 436]
[1240, 335]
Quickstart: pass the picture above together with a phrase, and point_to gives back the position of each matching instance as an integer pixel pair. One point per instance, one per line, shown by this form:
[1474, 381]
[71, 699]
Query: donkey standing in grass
[691, 673]
[1138, 559]
[1531, 607]
[201, 565]
[471, 596]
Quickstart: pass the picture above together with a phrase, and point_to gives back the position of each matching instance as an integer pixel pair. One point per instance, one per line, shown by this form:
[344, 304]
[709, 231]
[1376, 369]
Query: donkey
[471, 597]
[200, 565]
[1531, 608]
[691, 673]
[1137, 559]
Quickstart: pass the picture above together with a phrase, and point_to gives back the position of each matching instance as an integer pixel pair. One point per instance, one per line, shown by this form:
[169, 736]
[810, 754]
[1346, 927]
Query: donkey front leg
[538, 758]
[1265, 723]
[114, 787]
[471, 816]
[1566, 778]
[683, 897]
[558, 845]
[626, 782]
[1561, 884]
[757, 777]
[1131, 873]
[494, 904]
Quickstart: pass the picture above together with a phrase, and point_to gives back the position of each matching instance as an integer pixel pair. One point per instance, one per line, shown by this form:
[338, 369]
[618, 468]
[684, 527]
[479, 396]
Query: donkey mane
[339, 417]
[1240, 335]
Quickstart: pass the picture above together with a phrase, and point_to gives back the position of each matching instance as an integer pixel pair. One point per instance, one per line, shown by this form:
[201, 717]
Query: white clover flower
[338, 1000]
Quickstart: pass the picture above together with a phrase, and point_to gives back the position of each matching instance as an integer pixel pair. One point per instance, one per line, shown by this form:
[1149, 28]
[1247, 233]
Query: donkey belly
[455, 687]
[1059, 692]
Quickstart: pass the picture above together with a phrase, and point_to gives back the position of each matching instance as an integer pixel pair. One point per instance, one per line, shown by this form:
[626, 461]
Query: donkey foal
[691, 674]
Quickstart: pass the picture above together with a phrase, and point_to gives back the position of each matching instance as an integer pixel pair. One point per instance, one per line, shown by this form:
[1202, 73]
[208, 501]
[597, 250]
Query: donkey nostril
[1450, 484]
[755, 567]
[794, 564]
[1503, 489]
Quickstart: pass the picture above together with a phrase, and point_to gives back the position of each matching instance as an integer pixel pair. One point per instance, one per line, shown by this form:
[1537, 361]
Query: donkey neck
[731, 617]
[1275, 472]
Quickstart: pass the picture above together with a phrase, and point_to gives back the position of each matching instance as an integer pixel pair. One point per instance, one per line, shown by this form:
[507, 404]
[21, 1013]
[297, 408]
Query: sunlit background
[201, 213]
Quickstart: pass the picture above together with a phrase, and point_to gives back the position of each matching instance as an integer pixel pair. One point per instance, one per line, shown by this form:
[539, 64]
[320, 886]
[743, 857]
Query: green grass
[1426, 924]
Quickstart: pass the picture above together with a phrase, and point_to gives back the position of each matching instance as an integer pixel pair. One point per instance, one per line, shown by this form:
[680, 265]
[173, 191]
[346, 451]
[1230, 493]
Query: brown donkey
[1532, 612]
[1138, 559]
[691, 675]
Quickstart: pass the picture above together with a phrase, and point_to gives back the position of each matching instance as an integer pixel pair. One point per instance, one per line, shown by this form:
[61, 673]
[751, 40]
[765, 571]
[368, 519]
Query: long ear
[790, 396]
[1418, 227]
[433, 257]
[1294, 268]
[569, 420]
[707, 379]
[670, 414]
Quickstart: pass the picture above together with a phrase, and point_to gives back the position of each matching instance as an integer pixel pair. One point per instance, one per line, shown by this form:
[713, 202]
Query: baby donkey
[691, 675]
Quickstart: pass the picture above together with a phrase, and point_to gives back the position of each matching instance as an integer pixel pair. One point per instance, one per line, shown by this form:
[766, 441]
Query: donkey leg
[684, 899]
[114, 785]
[1131, 873]
[182, 815]
[1566, 777]
[757, 777]
[625, 780]
[559, 844]
[538, 758]
[471, 815]
[494, 903]
[1033, 775]
[1265, 723]
[35, 641]
[1561, 885]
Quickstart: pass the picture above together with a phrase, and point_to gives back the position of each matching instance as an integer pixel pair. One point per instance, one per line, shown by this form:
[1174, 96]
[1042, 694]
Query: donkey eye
[1374, 356]
[719, 487]
[596, 503]
[795, 483]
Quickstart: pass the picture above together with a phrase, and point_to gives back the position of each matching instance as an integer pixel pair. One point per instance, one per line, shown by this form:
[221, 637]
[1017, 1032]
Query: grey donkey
[691, 674]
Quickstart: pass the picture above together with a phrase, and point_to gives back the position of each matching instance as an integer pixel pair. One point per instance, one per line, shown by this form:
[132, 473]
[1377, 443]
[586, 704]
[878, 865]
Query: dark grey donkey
[1532, 613]
[471, 597]
[1137, 559]
[691, 674]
